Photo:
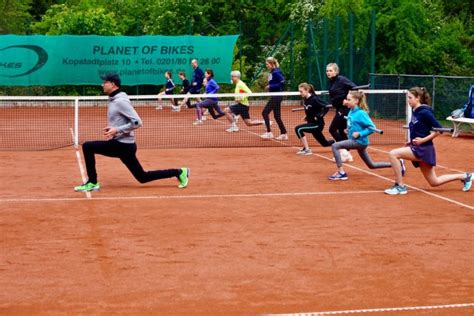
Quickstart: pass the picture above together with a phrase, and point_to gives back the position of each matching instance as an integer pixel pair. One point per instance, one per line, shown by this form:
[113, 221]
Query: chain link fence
[448, 93]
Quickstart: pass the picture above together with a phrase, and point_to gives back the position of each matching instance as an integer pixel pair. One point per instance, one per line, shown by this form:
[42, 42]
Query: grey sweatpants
[361, 149]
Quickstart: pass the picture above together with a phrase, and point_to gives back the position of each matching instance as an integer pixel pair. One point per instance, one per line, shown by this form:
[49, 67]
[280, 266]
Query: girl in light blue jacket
[360, 126]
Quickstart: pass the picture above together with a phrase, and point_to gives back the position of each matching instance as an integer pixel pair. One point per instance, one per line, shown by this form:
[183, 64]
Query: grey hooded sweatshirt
[122, 115]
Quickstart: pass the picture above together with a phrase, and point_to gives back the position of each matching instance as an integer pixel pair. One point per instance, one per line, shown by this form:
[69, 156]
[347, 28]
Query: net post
[408, 116]
[76, 122]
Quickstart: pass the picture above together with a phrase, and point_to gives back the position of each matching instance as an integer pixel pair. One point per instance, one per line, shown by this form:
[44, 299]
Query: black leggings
[127, 154]
[316, 129]
[339, 124]
[274, 104]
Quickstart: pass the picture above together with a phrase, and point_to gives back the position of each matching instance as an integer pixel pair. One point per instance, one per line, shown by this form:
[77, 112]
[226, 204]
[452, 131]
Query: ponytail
[421, 93]
[360, 96]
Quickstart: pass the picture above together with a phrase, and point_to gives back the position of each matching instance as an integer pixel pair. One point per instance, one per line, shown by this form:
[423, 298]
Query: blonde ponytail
[360, 96]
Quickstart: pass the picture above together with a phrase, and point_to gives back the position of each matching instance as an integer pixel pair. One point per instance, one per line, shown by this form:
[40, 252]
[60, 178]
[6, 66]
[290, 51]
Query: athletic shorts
[240, 109]
[426, 153]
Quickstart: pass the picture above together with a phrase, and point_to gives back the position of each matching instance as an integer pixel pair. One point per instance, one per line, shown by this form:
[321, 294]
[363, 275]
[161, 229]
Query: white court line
[378, 310]
[185, 197]
[471, 207]
[81, 167]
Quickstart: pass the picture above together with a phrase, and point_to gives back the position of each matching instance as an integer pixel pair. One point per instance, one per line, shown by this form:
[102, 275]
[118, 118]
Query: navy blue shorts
[425, 153]
[240, 109]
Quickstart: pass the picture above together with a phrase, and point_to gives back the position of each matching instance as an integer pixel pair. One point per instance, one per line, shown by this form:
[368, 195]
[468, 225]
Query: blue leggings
[211, 105]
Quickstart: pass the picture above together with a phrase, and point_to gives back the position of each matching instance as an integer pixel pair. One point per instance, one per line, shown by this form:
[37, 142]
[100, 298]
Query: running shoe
[346, 156]
[87, 187]
[403, 167]
[282, 137]
[232, 129]
[184, 178]
[467, 182]
[339, 176]
[176, 108]
[197, 122]
[267, 135]
[305, 152]
[397, 189]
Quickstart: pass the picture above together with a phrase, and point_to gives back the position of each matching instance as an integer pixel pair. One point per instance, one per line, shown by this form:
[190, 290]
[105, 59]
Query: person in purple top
[420, 150]
[210, 103]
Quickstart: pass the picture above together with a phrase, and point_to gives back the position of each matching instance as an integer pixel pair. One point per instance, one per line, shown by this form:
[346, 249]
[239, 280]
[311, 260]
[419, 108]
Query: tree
[14, 16]
[62, 19]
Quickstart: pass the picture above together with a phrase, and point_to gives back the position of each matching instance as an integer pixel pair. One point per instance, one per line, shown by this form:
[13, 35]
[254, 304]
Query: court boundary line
[79, 162]
[372, 173]
[185, 197]
[377, 310]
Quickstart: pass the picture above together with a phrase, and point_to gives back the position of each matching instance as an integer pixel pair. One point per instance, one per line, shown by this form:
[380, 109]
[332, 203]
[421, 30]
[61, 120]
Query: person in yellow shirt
[242, 107]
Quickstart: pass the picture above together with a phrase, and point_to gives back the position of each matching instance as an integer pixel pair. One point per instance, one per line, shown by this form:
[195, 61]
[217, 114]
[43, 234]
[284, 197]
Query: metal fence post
[292, 56]
[240, 47]
[351, 46]
[309, 65]
[372, 43]
[325, 50]
[338, 37]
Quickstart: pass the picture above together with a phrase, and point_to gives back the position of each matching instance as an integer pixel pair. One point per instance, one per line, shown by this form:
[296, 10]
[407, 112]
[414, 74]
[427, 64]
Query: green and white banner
[80, 60]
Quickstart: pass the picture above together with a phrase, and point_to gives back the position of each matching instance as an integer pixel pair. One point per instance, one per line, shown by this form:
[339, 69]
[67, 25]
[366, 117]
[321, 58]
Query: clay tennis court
[258, 231]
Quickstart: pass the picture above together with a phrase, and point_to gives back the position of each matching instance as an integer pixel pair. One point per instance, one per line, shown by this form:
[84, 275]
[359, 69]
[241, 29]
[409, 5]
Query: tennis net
[42, 123]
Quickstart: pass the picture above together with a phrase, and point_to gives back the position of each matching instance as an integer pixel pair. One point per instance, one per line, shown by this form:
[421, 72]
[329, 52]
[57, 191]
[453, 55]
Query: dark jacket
[186, 86]
[339, 86]
[422, 121]
[196, 81]
[315, 109]
[276, 80]
[169, 87]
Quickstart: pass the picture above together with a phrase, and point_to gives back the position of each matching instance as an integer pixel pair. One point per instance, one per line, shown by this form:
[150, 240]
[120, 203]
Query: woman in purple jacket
[210, 103]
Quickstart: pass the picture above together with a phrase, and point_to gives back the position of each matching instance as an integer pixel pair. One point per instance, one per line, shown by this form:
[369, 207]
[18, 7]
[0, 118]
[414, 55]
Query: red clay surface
[128, 251]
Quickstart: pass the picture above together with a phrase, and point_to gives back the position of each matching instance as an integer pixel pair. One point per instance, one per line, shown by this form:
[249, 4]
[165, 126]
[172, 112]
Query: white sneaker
[232, 129]
[346, 156]
[282, 137]
[159, 107]
[305, 152]
[267, 135]
[176, 108]
[198, 122]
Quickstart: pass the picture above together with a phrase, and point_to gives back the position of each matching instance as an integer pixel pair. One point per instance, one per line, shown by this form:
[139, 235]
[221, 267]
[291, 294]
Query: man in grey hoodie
[120, 141]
